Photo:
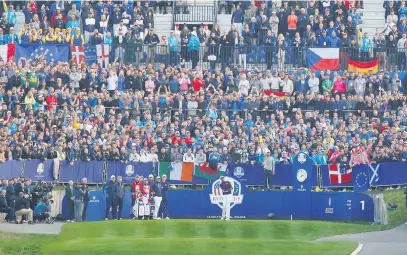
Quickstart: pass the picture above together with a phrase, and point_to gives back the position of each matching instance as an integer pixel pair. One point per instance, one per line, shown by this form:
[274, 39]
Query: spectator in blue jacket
[323, 40]
[173, 44]
[334, 41]
[331, 29]
[193, 49]
[42, 210]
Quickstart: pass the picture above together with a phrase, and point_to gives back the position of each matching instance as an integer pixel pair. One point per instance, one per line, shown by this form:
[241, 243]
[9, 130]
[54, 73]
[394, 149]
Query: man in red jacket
[197, 83]
[51, 101]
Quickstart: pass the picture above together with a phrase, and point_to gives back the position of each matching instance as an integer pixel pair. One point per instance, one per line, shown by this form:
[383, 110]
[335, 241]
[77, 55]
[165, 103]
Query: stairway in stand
[373, 16]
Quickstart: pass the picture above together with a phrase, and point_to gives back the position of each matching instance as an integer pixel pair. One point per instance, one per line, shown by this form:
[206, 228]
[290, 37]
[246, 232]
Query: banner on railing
[250, 174]
[129, 170]
[93, 171]
[38, 170]
[11, 168]
[363, 176]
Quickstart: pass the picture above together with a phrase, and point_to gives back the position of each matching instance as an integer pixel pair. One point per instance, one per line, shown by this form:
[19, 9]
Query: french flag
[323, 58]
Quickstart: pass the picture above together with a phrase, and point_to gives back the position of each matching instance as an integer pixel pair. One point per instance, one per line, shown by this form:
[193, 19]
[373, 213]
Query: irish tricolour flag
[323, 58]
[177, 171]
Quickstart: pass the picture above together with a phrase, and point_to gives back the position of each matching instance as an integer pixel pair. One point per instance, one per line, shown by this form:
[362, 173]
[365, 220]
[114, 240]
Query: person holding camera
[42, 210]
[22, 207]
[78, 194]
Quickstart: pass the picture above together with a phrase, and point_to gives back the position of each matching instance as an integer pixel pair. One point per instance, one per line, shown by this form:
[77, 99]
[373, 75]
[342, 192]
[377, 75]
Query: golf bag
[142, 207]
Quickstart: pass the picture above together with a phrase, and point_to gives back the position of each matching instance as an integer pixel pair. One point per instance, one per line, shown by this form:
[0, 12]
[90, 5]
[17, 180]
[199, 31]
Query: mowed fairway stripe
[178, 237]
[181, 246]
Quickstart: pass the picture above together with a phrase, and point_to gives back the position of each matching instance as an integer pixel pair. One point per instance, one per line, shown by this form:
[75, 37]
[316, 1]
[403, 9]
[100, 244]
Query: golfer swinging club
[226, 188]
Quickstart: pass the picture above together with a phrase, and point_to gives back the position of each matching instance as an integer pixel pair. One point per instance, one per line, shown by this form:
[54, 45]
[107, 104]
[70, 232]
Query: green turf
[398, 216]
[178, 237]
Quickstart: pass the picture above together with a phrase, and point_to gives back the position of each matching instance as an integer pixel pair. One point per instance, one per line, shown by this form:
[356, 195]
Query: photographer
[42, 210]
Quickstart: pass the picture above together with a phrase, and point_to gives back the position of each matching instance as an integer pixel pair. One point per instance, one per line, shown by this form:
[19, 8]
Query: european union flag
[90, 54]
[50, 52]
[361, 178]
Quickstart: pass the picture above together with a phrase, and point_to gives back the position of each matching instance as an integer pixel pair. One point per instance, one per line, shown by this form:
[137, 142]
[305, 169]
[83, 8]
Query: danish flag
[78, 54]
[338, 177]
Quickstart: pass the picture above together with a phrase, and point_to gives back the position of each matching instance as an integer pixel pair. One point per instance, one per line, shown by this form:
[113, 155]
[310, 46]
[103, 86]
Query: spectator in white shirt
[244, 85]
[112, 82]
[143, 156]
[188, 157]
[275, 82]
[313, 84]
[134, 156]
[287, 85]
[200, 157]
[152, 156]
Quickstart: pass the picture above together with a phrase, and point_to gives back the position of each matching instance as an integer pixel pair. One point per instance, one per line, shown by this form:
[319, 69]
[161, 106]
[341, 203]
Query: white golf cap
[151, 176]
[112, 177]
[164, 176]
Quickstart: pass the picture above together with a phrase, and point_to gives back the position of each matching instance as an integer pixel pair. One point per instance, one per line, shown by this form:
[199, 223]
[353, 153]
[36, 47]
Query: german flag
[363, 65]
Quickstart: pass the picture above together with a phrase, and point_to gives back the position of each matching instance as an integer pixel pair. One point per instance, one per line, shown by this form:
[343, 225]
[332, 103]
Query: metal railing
[260, 57]
[194, 13]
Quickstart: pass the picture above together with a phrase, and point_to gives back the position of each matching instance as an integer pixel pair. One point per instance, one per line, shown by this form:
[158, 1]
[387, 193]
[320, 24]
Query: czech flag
[363, 65]
[321, 59]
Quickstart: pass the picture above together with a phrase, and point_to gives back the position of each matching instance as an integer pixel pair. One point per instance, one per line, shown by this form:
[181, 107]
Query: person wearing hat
[323, 40]
[157, 196]
[108, 194]
[226, 188]
[12, 37]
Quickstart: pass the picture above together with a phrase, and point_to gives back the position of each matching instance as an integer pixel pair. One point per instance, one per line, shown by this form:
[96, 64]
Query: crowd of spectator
[128, 112]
